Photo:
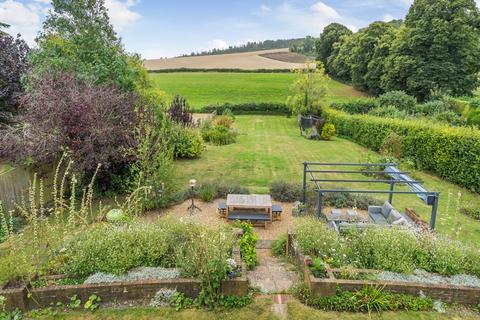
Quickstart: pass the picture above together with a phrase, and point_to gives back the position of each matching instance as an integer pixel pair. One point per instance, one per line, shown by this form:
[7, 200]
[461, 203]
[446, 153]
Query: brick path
[271, 275]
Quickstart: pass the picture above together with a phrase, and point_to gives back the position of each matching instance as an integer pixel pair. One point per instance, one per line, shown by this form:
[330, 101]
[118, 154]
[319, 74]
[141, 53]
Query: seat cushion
[400, 222]
[394, 216]
[386, 208]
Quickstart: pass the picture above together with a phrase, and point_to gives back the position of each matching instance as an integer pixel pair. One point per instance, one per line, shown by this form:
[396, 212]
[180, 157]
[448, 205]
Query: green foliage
[75, 302]
[450, 152]
[436, 50]
[369, 299]
[388, 112]
[285, 191]
[318, 268]
[180, 301]
[93, 303]
[398, 99]
[248, 244]
[357, 106]
[330, 36]
[187, 142]
[248, 108]
[78, 38]
[393, 250]
[473, 212]
[279, 246]
[308, 92]
[367, 43]
[207, 192]
[393, 146]
[328, 131]
[219, 135]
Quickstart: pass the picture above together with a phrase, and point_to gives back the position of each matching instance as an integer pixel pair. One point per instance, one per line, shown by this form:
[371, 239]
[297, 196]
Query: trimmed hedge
[357, 106]
[452, 153]
[249, 108]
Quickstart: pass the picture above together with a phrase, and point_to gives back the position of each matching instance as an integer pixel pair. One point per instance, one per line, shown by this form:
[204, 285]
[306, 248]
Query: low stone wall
[328, 286]
[27, 298]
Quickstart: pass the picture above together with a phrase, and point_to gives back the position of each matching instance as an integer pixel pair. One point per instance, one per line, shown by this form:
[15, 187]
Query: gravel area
[143, 273]
[424, 277]
[209, 216]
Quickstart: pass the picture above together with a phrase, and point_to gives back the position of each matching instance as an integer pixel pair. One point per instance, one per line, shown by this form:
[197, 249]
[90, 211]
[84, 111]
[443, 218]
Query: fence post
[304, 196]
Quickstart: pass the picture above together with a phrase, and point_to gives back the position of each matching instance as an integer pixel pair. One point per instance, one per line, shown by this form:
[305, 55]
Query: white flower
[231, 262]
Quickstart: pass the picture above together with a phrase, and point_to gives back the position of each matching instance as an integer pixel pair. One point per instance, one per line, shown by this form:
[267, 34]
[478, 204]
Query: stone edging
[328, 286]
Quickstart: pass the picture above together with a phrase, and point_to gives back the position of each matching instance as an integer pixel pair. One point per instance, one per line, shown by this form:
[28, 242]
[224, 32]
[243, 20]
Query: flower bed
[140, 291]
[330, 284]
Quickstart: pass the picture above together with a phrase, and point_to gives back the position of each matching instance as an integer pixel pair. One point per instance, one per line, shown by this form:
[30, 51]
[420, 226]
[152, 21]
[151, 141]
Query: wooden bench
[253, 217]
[277, 212]
[222, 209]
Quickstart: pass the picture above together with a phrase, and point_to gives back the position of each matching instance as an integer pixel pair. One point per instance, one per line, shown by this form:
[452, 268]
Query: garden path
[272, 275]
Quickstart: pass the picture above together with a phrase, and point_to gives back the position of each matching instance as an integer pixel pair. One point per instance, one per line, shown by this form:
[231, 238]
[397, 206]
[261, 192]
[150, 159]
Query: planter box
[26, 298]
[328, 286]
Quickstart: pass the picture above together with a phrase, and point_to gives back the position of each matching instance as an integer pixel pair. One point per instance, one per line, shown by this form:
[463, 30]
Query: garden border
[27, 298]
[328, 286]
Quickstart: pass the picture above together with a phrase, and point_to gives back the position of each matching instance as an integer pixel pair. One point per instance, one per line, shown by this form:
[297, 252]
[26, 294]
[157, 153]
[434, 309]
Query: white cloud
[306, 20]
[265, 8]
[387, 18]
[325, 11]
[23, 19]
[121, 13]
[217, 44]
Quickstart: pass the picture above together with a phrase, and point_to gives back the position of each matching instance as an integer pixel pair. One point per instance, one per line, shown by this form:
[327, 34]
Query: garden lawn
[270, 148]
[207, 88]
[260, 309]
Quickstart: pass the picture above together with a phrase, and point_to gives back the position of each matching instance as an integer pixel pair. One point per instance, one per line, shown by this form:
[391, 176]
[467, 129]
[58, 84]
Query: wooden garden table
[260, 202]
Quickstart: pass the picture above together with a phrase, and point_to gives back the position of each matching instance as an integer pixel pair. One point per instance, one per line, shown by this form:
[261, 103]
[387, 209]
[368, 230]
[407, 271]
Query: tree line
[435, 51]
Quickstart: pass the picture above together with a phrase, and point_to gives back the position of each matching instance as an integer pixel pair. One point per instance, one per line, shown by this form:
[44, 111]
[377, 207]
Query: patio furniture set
[257, 209]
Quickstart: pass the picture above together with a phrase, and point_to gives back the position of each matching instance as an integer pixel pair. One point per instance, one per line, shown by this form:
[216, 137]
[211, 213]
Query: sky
[166, 28]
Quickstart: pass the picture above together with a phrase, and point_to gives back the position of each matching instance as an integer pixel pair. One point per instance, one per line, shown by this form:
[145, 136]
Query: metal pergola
[391, 170]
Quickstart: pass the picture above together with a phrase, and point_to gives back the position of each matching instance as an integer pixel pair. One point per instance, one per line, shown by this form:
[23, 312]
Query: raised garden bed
[328, 286]
[25, 298]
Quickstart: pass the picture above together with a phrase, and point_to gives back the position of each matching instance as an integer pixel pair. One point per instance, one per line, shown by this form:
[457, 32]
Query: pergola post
[304, 195]
[319, 204]
[390, 195]
[433, 217]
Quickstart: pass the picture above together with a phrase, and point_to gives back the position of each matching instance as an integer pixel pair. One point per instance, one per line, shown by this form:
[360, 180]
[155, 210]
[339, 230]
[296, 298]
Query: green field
[270, 148]
[207, 88]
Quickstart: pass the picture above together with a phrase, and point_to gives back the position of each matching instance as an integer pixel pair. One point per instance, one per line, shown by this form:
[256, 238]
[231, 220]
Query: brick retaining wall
[27, 298]
[328, 286]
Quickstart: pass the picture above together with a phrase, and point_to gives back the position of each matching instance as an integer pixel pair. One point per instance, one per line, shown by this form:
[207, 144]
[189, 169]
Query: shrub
[388, 111]
[450, 152]
[224, 121]
[166, 243]
[249, 108]
[229, 113]
[393, 145]
[179, 111]
[398, 99]
[219, 135]
[369, 299]
[358, 106]
[207, 192]
[285, 192]
[279, 246]
[186, 142]
[328, 131]
[13, 65]
[432, 107]
[472, 212]
[95, 123]
[248, 244]
[349, 200]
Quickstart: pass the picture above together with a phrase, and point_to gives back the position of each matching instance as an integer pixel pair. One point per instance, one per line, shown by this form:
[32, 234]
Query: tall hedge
[249, 108]
[452, 153]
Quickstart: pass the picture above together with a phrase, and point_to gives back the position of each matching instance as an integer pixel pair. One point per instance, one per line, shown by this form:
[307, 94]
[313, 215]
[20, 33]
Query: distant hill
[275, 59]
[296, 45]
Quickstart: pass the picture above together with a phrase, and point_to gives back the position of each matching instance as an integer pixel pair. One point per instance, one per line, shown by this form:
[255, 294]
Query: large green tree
[376, 65]
[437, 49]
[331, 35]
[339, 63]
[363, 51]
[77, 37]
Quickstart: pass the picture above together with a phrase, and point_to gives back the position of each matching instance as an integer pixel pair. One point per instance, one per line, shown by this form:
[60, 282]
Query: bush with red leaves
[96, 123]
